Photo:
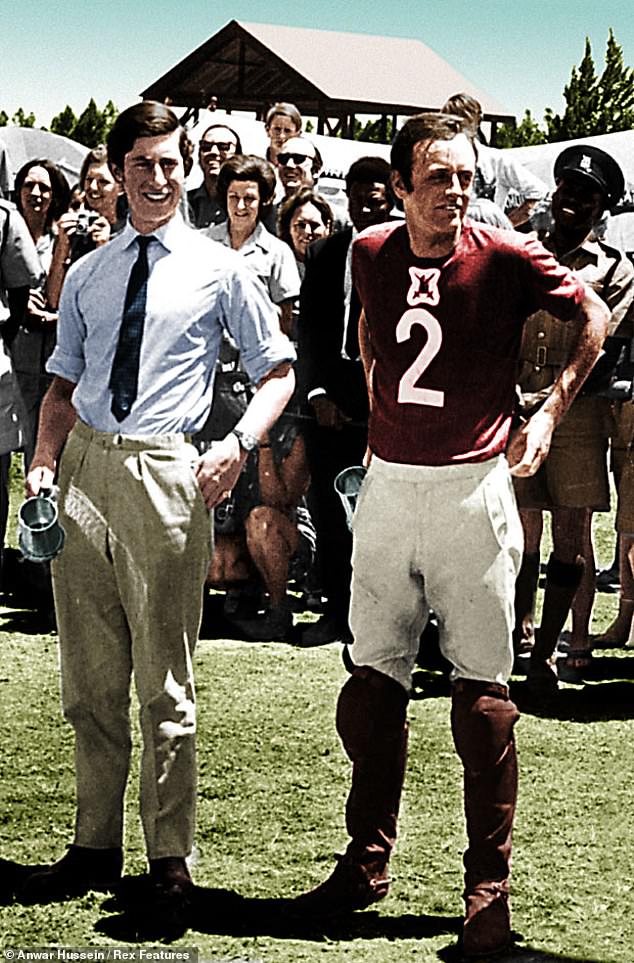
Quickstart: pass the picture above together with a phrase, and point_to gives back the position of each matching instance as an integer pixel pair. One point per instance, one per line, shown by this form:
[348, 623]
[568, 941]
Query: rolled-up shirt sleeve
[252, 321]
[67, 360]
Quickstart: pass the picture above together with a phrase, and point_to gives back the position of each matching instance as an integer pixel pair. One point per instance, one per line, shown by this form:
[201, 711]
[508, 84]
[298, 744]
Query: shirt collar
[590, 248]
[260, 238]
[168, 234]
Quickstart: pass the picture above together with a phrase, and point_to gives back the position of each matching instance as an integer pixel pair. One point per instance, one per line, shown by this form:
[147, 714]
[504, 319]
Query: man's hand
[530, 444]
[327, 413]
[218, 470]
[39, 478]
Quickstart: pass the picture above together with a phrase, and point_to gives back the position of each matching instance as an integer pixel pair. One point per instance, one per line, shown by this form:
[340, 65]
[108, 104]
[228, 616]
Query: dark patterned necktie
[124, 377]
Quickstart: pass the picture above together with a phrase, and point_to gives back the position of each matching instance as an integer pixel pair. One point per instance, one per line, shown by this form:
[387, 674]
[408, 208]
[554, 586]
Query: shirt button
[542, 334]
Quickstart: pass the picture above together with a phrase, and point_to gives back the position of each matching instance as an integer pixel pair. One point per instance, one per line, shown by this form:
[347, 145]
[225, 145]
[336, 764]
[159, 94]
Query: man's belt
[546, 357]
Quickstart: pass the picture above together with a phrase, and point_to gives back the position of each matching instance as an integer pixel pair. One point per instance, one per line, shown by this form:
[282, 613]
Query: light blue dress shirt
[196, 289]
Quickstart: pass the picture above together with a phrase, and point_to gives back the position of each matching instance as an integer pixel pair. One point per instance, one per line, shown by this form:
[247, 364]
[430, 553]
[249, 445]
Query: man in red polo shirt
[436, 525]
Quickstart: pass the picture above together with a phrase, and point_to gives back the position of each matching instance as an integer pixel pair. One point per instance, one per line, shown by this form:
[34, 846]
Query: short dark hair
[60, 189]
[465, 106]
[429, 126]
[247, 167]
[285, 110]
[368, 170]
[148, 118]
[222, 127]
[306, 195]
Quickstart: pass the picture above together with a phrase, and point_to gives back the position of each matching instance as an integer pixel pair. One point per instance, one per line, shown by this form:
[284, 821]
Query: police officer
[573, 481]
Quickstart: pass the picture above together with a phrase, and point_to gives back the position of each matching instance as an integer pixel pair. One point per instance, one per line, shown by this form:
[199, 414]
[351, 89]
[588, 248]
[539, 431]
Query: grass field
[272, 786]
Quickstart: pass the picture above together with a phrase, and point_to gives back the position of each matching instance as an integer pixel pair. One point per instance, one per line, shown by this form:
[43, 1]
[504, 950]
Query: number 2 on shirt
[408, 393]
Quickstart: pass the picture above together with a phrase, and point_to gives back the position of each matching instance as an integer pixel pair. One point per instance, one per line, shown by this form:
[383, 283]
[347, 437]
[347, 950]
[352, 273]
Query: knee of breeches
[482, 720]
[371, 713]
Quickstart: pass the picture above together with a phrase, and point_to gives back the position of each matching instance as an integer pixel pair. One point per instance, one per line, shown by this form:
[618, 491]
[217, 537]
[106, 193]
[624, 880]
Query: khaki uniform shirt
[547, 342]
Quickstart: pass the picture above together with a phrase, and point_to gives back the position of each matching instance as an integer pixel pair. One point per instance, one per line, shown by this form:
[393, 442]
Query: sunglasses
[296, 158]
[223, 147]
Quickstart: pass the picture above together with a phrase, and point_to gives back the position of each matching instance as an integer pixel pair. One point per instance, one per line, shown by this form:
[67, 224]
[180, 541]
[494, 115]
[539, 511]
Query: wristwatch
[246, 441]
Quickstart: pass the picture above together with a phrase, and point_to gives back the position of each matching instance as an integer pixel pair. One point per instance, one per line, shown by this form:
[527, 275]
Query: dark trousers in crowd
[329, 451]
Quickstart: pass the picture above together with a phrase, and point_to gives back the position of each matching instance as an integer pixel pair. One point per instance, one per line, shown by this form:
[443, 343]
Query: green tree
[65, 122]
[20, 119]
[4, 118]
[109, 115]
[595, 105]
[372, 131]
[525, 134]
[90, 128]
[616, 92]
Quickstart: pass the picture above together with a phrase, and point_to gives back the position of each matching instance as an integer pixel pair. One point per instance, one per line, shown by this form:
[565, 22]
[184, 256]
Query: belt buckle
[542, 354]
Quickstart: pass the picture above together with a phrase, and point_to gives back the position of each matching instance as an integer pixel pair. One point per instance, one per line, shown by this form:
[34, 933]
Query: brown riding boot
[371, 721]
[562, 582]
[525, 592]
[482, 721]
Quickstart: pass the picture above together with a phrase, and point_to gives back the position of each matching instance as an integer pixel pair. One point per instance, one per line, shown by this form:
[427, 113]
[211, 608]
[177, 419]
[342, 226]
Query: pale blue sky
[52, 54]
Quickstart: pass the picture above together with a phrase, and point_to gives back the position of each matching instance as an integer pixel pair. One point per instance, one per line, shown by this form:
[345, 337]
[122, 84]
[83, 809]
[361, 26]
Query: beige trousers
[128, 594]
[446, 538]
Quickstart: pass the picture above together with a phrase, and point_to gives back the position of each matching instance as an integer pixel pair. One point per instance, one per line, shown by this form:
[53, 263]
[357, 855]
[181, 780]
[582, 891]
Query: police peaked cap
[584, 160]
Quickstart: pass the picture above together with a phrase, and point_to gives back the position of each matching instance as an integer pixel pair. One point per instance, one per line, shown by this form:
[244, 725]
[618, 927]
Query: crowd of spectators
[283, 522]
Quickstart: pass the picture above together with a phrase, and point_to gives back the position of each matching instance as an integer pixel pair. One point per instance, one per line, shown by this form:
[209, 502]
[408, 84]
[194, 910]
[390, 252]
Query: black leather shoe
[325, 630]
[13, 876]
[171, 882]
[78, 871]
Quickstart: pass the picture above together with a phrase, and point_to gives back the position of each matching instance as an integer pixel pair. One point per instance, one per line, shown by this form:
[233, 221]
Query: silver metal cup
[348, 485]
[40, 535]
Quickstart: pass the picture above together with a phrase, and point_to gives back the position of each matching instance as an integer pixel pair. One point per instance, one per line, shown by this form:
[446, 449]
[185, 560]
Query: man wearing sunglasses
[298, 165]
[215, 146]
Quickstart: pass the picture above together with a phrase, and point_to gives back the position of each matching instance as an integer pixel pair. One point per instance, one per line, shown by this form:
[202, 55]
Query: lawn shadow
[27, 596]
[222, 912]
[607, 693]
[215, 624]
[518, 954]
[592, 702]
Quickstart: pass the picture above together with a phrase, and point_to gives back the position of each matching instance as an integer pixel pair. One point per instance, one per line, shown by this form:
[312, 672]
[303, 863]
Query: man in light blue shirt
[140, 325]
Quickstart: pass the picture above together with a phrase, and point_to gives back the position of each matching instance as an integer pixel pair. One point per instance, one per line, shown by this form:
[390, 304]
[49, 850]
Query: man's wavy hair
[420, 127]
[146, 119]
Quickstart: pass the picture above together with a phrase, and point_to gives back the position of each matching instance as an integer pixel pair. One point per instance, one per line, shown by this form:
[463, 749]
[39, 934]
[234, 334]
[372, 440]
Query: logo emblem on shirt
[423, 287]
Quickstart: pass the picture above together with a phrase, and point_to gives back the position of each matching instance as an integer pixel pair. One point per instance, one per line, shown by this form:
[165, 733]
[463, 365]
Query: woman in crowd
[264, 535]
[42, 197]
[83, 229]
[246, 186]
[304, 217]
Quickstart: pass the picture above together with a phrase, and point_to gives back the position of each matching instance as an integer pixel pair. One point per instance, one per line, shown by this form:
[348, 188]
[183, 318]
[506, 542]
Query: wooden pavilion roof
[249, 66]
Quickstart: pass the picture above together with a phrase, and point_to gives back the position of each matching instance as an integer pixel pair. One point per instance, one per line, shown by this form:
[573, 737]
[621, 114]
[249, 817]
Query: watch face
[247, 442]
